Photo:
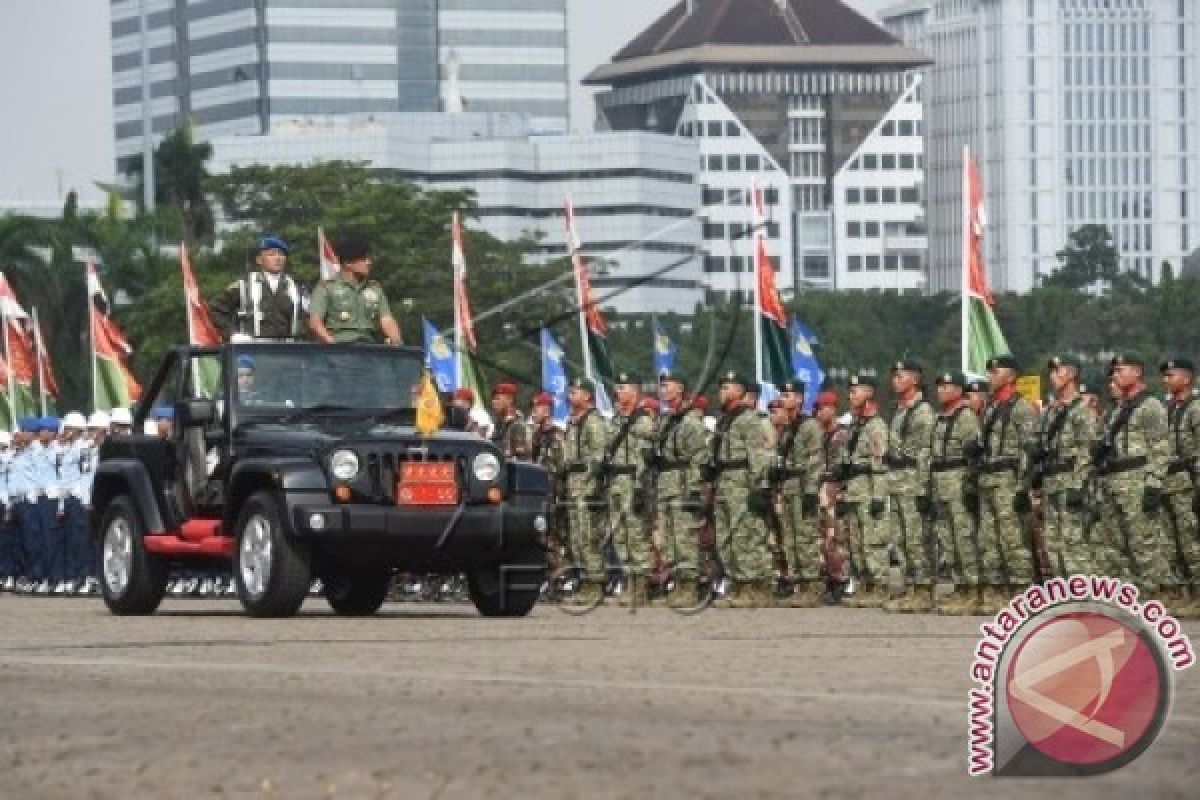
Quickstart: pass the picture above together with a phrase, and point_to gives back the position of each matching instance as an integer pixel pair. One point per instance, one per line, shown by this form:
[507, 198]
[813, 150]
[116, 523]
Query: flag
[113, 385]
[466, 371]
[47, 384]
[554, 375]
[664, 350]
[593, 330]
[18, 350]
[429, 407]
[330, 266]
[773, 361]
[202, 332]
[439, 357]
[804, 363]
[981, 334]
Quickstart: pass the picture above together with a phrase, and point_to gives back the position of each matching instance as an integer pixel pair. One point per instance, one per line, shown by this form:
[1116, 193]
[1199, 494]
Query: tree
[1088, 258]
[180, 177]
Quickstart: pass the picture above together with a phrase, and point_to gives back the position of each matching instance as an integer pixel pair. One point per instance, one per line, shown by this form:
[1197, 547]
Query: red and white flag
[202, 332]
[330, 266]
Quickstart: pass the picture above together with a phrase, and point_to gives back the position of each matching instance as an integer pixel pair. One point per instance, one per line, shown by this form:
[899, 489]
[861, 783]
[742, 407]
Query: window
[908, 162]
[891, 263]
[871, 195]
[889, 195]
[772, 230]
[733, 163]
[889, 161]
[753, 163]
[732, 129]
[854, 230]
[775, 263]
[871, 230]
[907, 127]
[714, 230]
[889, 128]
[910, 262]
[854, 264]
[910, 196]
[872, 263]
[712, 197]
[737, 264]
[816, 267]
[715, 164]
[714, 129]
[870, 162]
[714, 264]
[770, 196]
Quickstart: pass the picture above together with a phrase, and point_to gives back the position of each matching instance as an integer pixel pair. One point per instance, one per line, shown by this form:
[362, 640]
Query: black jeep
[291, 462]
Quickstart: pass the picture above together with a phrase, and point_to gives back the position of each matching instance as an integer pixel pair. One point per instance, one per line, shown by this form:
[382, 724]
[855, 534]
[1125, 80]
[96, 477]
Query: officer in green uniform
[352, 308]
[742, 454]
[908, 470]
[267, 304]
[864, 478]
[801, 468]
[1180, 500]
[631, 437]
[680, 453]
[584, 446]
[954, 429]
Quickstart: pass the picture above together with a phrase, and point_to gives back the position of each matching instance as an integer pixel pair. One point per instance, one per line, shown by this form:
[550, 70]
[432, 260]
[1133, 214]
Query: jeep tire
[272, 569]
[500, 592]
[132, 581]
[357, 594]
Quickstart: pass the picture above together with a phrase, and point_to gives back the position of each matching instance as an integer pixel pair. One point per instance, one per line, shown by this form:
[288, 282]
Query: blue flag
[554, 375]
[805, 364]
[439, 357]
[664, 350]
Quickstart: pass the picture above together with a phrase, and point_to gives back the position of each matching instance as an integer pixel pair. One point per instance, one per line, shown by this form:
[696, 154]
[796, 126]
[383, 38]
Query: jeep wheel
[500, 592]
[132, 581]
[271, 568]
[358, 594]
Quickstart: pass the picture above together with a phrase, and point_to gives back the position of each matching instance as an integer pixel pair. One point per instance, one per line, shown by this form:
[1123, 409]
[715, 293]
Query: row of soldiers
[976, 488]
[46, 472]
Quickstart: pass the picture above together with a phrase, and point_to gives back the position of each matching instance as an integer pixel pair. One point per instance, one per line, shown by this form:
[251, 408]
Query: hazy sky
[56, 86]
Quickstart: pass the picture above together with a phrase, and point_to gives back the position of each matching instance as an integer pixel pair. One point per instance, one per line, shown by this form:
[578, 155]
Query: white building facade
[1082, 112]
[240, 66]
[636, 195]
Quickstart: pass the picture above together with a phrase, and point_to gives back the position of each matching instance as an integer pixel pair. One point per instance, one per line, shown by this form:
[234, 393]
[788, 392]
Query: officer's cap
[907, 365]
[272, 242]
[795, 385]
[864, 380]
[1065, 360]
[627, 379]
[74, 420]
[29, 424]
[353, 248]
[978, 386]
[952, 379]
[121, 416]
[48, 425]
[1006, 361]
[509, 389]
[733, 376]
[1179, 362]
[1128, 359]
[668, 376]
[98, 420]
[583, 384]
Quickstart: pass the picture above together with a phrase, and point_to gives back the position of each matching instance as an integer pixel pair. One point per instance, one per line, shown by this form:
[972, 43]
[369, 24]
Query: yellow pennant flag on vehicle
[429, 407]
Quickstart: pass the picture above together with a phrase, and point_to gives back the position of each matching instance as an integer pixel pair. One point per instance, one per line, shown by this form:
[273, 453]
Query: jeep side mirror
[196, 413]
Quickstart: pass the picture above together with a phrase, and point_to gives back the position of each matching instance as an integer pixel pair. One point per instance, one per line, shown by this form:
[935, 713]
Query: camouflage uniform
[512, 436]
[1134, 466]
[1179, 488]
[583, 461]
[949, 475]
[864, 500]
[1068, 434]
[742, 456]
[681, 452]
[630, 437]
[1004, 545]
[801, 458]
[908, 470]
[546, 450]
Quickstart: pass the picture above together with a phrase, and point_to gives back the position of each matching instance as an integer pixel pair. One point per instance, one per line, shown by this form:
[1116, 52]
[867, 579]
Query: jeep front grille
[383, 468]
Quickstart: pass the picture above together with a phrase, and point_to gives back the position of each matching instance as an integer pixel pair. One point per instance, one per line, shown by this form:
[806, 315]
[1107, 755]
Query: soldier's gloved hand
[810, 504]
[878, 508]
[1073, 500]
[923, 505]
[1151, 499]
[1022, 502]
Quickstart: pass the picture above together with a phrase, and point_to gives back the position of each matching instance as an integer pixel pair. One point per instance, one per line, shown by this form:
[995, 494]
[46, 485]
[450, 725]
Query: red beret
[700, 403]
[650, 403]
[509, 389]
[543, 399]
[464, 394]
[827, 399]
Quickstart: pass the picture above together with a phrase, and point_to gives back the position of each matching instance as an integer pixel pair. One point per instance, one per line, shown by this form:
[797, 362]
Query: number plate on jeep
[427, 483]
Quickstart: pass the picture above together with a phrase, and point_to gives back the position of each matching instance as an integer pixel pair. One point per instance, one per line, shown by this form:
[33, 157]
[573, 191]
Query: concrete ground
[431, 701]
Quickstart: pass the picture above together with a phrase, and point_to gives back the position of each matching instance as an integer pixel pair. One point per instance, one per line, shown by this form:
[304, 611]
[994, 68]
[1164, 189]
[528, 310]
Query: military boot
[896, 604]
[806, 594]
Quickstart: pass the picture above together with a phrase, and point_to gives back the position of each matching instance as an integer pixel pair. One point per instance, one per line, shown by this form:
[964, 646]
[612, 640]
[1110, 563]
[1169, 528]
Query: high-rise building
[239, 66]
[806, 98]
[1081, 112]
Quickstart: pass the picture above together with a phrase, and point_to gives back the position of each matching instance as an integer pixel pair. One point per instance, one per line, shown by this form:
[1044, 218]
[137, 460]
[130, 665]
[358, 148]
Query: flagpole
[455, 252]
[577, 266]
[654, 342]
[12, 397]
[966, 265]
[91, 304]
[757, 315]
[41, 364]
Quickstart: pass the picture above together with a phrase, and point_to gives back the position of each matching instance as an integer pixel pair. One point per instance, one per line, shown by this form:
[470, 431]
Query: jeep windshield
[298, 381]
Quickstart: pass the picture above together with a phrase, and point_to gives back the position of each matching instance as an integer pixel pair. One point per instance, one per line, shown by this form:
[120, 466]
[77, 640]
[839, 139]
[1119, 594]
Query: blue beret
[245, 361]
[49, 424]
[164, 412]
[272, 242]
[29, 424]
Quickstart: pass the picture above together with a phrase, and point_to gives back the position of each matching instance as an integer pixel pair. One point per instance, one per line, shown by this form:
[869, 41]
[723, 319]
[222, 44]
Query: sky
[57, 86]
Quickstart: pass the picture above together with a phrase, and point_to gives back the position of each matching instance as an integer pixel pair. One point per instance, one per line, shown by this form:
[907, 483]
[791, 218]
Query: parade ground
[432, 701]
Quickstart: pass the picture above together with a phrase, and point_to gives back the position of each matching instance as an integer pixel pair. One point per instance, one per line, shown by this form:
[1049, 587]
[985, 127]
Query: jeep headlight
[344, 465]
[486, 467]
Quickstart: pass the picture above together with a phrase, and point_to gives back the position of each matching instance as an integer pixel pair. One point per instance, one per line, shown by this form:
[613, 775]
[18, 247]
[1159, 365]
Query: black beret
[733, 376]
[907, 365]
[1065, 360]
[864, 380]
[585, 384]
[627, 378]
[1177, 363]
[1128, 359]
[794, 385]
[952, 379]
[1003, 362]
[668, 376]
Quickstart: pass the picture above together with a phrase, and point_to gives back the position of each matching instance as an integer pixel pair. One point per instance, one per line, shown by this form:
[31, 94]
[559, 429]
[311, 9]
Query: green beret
[864, 380]
[1177, 363]
[584, 384]
[1006, 361]
[978, 385]
[907, 365]
[627, 378]
[1128, 359]
[733, 376]
[1065, 360]
[666, 376]
[795, 385]
[952, 379]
